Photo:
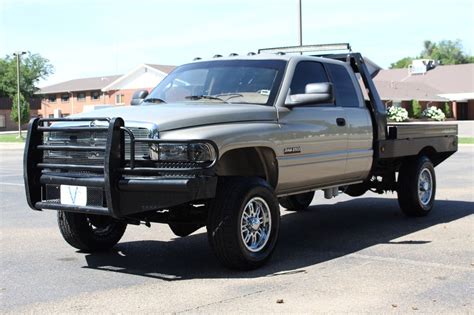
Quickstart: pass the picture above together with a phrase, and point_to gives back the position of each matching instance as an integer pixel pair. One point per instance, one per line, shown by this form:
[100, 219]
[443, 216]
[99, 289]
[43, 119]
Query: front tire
[89, 232]
[297, 202]
[243, 222]
[416, 186]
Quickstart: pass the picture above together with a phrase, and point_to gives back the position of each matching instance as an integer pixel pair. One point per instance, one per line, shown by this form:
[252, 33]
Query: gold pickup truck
[221, 143]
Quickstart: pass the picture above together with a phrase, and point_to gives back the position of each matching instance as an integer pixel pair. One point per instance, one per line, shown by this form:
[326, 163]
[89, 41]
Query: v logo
[72, 194]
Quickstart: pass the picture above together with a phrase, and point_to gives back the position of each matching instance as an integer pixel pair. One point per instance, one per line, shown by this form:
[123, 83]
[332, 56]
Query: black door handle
[341, 122]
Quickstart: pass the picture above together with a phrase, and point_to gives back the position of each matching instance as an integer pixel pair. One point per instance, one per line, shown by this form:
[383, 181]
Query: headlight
[183, 152]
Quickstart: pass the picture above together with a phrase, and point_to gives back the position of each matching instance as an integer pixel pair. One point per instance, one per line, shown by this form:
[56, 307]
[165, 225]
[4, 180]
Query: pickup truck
[222, 143]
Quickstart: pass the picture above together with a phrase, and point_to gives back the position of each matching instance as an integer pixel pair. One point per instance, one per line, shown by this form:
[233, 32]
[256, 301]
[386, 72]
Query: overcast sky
[93, 38]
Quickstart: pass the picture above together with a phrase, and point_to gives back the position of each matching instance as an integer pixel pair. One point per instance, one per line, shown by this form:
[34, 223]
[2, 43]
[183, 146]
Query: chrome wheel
[425, 186]
[256, 224]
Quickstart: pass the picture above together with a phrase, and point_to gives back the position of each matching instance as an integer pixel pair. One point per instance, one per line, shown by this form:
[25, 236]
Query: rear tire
[416, 186]
[89, 232]
[297, 202]
[243, 222]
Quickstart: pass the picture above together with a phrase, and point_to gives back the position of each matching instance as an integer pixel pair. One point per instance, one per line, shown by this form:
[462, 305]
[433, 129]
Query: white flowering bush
[434, 113]
[396, 113]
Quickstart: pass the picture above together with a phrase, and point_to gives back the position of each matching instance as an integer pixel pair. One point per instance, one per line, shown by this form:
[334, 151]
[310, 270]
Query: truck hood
[183, 115]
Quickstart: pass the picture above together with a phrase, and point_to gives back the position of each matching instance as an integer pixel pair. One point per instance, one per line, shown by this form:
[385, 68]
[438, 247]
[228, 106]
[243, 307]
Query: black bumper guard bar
[123, 195]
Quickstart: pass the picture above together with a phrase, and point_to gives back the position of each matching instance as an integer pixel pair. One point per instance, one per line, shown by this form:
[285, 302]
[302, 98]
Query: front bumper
[118, 188]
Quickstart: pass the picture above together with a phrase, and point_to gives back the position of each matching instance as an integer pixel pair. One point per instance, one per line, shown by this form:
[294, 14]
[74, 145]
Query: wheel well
[435, 156]
[251, 161]
[430, 152]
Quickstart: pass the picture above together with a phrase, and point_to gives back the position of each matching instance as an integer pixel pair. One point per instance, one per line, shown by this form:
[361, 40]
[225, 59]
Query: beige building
[433, 86]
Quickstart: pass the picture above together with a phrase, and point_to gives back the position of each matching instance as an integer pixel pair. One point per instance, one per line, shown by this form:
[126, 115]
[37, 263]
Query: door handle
[341, 122]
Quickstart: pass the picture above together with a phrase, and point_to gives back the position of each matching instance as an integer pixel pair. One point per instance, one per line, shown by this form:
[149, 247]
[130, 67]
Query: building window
[2, 121]
[65, 97]
[119, 99]
[95, 95]
[81, 96]
[52, 98]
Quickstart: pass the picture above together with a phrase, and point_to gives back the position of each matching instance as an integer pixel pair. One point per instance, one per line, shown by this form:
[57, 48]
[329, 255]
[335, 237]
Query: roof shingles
[85, 84]
[445, 79]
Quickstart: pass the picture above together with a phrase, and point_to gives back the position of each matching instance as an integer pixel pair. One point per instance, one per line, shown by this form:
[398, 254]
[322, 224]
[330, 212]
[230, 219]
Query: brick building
[75, 96]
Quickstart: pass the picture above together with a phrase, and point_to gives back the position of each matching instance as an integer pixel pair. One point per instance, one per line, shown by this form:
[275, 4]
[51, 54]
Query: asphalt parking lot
[343, 255]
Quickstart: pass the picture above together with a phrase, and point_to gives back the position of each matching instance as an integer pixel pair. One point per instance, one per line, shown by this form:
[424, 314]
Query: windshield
[221, 81]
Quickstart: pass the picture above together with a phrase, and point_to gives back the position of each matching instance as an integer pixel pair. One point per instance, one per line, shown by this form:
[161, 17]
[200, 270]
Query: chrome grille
[90, 139]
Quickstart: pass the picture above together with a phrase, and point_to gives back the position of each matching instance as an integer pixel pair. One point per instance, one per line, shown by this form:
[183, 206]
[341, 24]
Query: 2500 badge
[292, 150]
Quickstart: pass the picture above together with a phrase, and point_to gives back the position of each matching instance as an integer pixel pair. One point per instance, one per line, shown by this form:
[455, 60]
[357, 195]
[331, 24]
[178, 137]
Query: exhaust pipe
[331, 192]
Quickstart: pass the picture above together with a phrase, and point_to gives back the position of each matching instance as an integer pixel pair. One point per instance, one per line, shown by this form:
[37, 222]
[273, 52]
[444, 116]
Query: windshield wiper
[155, 100]
[207, 97]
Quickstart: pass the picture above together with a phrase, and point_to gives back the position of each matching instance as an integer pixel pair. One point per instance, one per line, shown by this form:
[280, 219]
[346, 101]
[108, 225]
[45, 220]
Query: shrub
[434, 113]
[416, 108]
[396, 113]
[447, 110]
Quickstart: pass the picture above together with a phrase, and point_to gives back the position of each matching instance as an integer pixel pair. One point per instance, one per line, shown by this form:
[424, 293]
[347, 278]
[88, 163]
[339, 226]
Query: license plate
[73, 195]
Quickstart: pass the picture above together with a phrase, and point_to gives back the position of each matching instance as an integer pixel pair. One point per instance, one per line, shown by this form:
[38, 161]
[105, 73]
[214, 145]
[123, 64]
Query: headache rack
[117, 183]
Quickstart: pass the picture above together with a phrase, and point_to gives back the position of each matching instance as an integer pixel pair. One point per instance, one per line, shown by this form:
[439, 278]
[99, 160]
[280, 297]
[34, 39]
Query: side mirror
[315, 93]
[138, 97]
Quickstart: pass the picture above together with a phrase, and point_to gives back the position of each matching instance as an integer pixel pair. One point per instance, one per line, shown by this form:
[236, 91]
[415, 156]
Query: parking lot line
[12, 184]
[410, 261]
[11, 169]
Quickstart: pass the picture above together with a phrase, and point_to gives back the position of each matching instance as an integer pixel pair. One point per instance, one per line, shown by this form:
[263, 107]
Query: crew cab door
[313, 149]
[348, 96]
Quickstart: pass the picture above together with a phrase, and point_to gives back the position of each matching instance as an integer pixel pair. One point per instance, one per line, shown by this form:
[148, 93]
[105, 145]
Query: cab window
[344, 90]
[307, 72]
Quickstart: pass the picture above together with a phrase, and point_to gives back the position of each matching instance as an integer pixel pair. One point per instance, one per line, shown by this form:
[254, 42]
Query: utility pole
[18, 55]
[300, 24]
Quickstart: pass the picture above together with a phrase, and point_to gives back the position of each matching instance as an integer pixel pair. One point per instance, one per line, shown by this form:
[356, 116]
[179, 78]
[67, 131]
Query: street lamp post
[300, 24]
[18, 54]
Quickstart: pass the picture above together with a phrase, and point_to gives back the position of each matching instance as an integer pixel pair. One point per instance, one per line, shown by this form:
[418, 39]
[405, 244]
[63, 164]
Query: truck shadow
[322, 233]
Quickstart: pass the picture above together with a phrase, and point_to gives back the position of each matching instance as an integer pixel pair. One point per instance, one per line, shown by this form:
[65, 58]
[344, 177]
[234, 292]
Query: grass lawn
[469, 140]
[11, 137]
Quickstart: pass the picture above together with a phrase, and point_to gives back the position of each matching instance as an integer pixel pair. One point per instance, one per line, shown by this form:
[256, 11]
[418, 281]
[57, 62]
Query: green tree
[416, 109]
[33, 67]
[402, 63]
[24, 109]
[428, 48]
[448, 52]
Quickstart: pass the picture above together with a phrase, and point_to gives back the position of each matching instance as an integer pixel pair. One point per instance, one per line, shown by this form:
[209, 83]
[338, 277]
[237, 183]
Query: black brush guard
[127, 188]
